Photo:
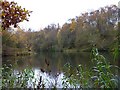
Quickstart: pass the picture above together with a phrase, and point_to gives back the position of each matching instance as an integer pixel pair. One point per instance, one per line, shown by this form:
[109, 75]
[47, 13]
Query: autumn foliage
[12, 14]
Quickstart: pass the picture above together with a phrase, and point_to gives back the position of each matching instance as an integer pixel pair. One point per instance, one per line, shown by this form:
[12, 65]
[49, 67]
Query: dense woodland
[97, 28]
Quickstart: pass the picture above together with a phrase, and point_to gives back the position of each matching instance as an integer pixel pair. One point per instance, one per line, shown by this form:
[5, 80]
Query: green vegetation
[12, 79]
[101, 75]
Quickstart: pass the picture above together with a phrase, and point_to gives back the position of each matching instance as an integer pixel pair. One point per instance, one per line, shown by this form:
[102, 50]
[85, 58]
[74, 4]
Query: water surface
[50, 65]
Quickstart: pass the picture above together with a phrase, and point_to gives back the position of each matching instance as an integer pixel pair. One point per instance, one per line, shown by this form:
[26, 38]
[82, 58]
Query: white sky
[47, 12]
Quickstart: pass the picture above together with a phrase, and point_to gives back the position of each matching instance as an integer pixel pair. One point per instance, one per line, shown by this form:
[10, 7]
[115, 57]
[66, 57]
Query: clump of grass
[102, 75]
[99, 76]
[12, 79]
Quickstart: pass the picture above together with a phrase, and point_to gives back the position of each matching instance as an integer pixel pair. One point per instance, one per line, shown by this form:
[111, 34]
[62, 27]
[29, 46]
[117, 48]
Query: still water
[50, 65]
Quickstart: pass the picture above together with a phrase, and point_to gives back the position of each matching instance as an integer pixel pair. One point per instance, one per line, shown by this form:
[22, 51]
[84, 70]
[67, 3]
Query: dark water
[50, 65]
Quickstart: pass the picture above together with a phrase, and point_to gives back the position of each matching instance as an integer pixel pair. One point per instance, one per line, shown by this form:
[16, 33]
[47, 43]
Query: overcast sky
[57, 11]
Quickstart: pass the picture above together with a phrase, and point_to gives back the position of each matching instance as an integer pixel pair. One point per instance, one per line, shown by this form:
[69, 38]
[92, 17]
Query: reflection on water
[56, 60]
[48, 79]
[49, 65]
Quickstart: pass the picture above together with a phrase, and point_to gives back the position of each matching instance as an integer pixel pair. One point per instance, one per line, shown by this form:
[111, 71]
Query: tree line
[96, 28]
[81, 33]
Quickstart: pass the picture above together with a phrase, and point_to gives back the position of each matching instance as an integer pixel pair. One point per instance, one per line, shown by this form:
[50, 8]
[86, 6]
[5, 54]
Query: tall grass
[19, 79]
[101, 75]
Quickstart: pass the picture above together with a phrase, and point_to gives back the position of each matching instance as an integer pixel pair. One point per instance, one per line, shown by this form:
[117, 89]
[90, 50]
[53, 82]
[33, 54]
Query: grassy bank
[85, 50]
[8, 51]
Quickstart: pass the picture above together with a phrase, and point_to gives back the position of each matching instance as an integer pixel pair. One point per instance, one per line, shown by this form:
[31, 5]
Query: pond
[50, 66]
